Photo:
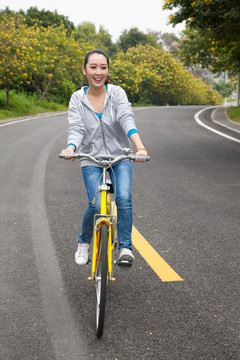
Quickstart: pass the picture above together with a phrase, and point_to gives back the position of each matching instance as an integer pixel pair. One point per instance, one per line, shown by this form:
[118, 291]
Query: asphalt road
[186, 204]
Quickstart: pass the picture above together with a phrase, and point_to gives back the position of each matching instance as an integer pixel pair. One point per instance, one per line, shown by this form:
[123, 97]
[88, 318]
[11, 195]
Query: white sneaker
[81, 255]
[126, 257]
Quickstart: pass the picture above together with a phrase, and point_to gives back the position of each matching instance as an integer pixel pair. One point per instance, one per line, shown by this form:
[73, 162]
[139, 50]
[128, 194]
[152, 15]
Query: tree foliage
[224, 88]
[169, 42]
[216, 24]
[48, 60]
[222, 17]
[86, 32]
[39, 57]
[13, 53]
[152, 76]
[133, 37]
[194, 49]
[43, 17]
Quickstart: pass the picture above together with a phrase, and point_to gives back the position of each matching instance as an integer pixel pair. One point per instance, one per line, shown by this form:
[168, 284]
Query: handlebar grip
[134, 157]
[62, 156]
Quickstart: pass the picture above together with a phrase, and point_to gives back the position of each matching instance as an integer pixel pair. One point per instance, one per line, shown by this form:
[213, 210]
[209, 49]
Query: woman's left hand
[141, 153]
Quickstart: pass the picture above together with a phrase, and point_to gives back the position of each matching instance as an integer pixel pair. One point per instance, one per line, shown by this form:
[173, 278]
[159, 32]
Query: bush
[153, 76]
[23, 104]
[63, 92]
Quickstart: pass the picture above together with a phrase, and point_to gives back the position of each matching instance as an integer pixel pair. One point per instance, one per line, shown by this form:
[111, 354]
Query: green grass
[22, 105]
[231, 99]
[234, 113]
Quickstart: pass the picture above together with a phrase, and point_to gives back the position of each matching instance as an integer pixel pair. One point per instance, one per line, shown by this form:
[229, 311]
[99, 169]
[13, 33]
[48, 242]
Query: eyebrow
[104, 64]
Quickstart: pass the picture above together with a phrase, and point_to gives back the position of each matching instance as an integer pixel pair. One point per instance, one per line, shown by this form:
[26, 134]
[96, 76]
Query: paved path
[186, 205]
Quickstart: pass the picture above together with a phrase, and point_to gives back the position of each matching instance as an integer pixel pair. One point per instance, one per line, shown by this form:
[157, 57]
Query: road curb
[214, 130]
[223, 119]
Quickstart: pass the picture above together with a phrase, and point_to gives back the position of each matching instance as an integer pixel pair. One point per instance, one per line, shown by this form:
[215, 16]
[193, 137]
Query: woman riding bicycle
[101, 122]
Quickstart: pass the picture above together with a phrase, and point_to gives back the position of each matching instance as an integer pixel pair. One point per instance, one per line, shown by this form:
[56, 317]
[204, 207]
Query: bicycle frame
[107, 218]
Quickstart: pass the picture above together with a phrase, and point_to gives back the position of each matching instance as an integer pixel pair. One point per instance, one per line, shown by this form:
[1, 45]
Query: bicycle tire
[101, 280]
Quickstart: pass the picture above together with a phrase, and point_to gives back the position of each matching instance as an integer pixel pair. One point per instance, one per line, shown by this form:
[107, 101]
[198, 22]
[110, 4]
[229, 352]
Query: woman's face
[96, 70]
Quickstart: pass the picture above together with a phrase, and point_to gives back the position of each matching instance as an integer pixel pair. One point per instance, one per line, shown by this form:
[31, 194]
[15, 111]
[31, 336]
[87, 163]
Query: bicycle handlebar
[105, 159]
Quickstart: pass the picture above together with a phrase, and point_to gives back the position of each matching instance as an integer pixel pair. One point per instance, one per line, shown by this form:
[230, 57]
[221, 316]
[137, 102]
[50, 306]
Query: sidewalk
[219, 116]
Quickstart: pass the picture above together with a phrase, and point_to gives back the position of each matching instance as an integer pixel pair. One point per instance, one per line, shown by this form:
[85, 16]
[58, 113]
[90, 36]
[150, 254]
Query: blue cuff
[132, 131]
[72, 145]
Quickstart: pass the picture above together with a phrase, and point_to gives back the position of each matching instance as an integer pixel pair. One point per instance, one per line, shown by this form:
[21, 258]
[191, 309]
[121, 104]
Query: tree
[47, 18]
[86, 33]
[217, 23]
[37, 56]
[43, 17]
[169, 42]
[195, 49]
[222, 17]
[152, 76]
[14, 54]
[55, 58]
[223, 87]
[133, 37]
[104, 42]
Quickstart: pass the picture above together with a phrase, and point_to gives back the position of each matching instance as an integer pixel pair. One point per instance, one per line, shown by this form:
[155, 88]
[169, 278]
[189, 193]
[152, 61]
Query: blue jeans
[121, 177]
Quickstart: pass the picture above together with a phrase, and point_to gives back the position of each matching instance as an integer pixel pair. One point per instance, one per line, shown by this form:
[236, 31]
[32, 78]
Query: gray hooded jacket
[100, 137]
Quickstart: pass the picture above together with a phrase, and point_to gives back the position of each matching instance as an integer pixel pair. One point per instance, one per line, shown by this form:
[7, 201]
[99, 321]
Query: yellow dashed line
[157, 263]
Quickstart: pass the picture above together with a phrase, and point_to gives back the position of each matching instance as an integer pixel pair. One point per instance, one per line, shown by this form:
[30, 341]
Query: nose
[98, 70]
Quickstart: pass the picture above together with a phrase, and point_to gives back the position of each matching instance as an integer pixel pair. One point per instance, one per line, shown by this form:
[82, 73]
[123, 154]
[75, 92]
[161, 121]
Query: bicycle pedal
[124, 263]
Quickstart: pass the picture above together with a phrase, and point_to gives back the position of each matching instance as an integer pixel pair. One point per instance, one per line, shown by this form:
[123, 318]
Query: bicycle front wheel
[101, 280]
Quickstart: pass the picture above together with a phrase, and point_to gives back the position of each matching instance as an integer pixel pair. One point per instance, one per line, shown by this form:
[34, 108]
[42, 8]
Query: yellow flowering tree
[125, 74]
[54, 58]
[37, 57]
[49, 60]
[151, 75]
[14, 69]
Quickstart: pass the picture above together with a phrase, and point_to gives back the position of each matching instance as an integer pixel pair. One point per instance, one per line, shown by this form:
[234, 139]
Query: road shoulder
[220, 117]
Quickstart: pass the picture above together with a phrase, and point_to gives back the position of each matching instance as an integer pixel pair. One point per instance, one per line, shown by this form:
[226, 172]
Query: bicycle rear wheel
[101, 280]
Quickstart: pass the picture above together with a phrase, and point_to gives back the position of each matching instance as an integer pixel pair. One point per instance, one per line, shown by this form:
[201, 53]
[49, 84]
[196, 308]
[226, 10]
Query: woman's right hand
[69, 151]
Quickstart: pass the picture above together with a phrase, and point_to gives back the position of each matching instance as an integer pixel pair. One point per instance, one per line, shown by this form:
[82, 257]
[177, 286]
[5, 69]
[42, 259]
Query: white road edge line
[32, 118]
[219, 123]
[47, 115]
[196, 117]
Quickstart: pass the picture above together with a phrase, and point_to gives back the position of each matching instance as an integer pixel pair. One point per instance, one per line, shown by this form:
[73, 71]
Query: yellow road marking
[157, 263]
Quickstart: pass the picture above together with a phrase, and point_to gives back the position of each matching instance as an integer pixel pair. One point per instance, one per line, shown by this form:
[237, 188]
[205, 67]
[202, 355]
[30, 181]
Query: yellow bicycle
[104, 233]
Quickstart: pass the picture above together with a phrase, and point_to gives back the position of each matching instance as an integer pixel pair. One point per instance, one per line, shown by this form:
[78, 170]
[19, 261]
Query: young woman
[101, 121]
